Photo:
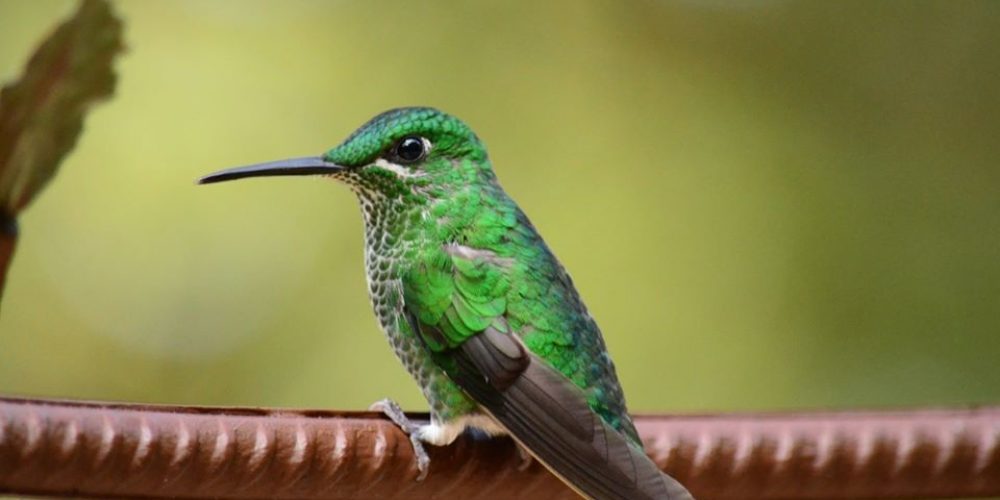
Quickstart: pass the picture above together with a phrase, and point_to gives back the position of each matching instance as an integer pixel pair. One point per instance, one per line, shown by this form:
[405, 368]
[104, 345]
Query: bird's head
[405, 154]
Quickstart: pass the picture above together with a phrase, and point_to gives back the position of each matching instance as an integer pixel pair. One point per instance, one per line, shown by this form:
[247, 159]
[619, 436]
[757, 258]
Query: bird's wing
[456, 304]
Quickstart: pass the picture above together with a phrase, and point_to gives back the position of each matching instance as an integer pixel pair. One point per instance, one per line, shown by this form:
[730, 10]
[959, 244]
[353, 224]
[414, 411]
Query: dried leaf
[41, 115]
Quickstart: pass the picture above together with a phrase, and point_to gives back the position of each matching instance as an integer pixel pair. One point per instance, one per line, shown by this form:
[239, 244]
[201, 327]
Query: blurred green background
[766, 205]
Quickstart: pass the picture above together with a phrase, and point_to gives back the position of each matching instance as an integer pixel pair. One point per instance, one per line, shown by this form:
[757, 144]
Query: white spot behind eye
[394, 168]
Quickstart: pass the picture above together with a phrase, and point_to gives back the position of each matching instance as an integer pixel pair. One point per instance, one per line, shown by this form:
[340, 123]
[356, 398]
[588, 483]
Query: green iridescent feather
[521, 285]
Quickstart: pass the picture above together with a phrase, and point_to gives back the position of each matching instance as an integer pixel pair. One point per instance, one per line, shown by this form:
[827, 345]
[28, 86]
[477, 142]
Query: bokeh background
[766, 204]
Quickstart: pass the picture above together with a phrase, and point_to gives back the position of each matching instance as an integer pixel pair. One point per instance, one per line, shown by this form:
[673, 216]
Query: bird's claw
[423, 460]
[392, 410]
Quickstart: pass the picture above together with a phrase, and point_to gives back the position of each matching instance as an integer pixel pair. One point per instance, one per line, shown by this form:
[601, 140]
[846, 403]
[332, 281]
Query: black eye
[410, 149]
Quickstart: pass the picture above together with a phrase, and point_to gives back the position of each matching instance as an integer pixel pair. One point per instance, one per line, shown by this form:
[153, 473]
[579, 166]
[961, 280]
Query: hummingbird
[477, 307]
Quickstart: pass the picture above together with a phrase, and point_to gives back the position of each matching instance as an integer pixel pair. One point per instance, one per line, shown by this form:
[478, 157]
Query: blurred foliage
[41, 114]
[766, 204]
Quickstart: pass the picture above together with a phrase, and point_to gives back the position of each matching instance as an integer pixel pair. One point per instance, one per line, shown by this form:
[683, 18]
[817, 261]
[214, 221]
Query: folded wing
[539, 406]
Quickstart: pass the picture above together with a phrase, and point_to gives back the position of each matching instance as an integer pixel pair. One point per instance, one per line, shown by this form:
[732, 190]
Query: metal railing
[84, 449]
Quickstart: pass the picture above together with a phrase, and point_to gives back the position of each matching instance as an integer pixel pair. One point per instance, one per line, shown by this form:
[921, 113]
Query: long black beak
[310, 165]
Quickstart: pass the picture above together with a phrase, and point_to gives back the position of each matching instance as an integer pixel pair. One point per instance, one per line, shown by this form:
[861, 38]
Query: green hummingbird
[477, 307]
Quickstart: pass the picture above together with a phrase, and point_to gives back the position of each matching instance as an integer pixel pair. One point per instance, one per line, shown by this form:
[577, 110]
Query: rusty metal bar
[103, 450]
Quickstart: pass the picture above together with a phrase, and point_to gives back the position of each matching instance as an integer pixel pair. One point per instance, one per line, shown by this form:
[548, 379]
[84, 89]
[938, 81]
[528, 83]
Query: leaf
[41, 115]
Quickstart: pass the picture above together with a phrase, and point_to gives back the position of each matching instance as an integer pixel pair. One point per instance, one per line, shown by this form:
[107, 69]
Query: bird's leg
[395, 413]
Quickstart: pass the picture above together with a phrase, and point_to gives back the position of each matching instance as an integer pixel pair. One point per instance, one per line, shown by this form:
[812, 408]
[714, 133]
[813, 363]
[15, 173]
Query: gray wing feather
[548, 415]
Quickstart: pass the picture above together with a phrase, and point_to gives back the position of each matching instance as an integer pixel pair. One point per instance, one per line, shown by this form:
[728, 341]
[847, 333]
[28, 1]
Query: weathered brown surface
[110, 450]
[888, 454]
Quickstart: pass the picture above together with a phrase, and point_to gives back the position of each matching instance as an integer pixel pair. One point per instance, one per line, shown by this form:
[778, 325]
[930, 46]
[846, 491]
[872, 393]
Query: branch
[121, 450]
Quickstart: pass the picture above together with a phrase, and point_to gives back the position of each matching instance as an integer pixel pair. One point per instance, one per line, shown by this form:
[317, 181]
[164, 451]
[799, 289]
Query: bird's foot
[526, 458]
[392, 410]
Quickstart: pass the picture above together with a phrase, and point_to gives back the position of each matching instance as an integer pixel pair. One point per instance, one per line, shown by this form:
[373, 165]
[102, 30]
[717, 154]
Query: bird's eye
[410, 149]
